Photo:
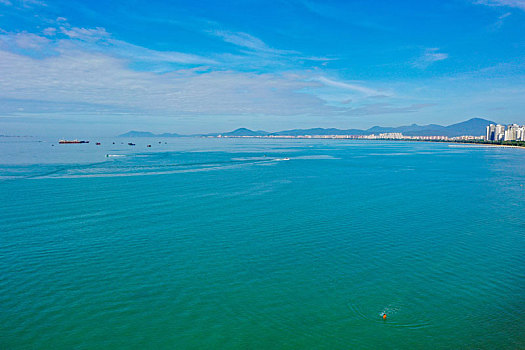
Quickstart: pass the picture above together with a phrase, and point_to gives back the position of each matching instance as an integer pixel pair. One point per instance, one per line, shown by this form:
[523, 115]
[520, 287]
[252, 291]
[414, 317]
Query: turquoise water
[210, 244]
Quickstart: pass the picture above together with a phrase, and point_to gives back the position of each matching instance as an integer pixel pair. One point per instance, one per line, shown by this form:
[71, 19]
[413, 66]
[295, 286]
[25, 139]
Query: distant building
[499, 133]
[391, 135]
[520, 133]
[491, 130]
[511, 132]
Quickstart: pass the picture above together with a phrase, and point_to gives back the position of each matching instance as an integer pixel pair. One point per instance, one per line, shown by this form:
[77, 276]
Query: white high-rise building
[511, 132]
[520, 133]
[490, 132]
[499, 133]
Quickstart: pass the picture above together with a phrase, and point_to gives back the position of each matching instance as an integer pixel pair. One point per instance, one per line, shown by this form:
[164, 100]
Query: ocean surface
[261, 244]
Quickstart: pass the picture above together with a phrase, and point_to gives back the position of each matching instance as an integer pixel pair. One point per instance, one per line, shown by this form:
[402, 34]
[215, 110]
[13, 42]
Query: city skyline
[104, 68]
[499, 132]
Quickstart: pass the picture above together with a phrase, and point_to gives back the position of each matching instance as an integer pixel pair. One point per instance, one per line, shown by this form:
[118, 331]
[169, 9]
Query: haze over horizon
[98, 68]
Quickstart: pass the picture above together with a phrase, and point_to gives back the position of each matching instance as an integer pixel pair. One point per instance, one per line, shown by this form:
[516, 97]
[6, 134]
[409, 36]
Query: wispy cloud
[99, 40]
[430, 56]
[69, 68]
[348, 86]
[23, 3]
[101, 82]
[509, 3]
[252, 45]
[49, 31]
[246, 41]
[78, 77]
[499, 22]
[87, 34]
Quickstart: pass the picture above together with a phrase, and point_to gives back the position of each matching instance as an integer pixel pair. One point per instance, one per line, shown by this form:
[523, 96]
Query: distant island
[474, 127]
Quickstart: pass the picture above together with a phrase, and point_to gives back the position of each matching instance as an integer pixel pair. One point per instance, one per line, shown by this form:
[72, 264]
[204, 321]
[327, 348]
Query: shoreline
[465, 143]
[483, 145]
[468, 143]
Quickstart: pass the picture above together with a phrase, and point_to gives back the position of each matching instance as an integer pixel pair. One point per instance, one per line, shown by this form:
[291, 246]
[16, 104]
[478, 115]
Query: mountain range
[474, 126]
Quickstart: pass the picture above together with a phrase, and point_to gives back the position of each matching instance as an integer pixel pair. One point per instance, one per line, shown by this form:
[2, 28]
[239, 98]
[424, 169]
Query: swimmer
[384, 316]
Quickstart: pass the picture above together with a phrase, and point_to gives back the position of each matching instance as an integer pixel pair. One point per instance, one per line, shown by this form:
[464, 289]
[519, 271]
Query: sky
[70, 67]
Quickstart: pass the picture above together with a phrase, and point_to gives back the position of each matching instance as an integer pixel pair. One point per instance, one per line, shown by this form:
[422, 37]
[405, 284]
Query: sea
[244, 243]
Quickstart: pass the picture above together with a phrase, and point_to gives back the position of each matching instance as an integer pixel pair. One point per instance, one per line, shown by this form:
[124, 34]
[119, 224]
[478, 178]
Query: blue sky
[105, 67]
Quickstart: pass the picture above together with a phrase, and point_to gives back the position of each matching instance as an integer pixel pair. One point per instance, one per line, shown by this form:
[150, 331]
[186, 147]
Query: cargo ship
[72, 141]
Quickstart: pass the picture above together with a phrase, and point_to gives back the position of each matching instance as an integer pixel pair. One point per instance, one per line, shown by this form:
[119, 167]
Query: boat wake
[395, 317]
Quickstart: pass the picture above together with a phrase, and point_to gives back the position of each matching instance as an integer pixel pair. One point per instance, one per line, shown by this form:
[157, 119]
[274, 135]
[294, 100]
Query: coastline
[482, 145]
[466, 143]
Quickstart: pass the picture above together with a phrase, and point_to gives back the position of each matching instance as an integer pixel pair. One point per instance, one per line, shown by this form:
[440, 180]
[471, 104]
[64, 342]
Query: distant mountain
[319, 131]
[167, 134]
[474, 126]
[237, 133]
[245, 132]
[147, 134]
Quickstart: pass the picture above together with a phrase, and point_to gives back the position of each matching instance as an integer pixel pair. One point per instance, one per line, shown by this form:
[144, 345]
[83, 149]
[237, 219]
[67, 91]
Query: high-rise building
[520, 133]
[499, 133]
[490, 132]
[511, 132]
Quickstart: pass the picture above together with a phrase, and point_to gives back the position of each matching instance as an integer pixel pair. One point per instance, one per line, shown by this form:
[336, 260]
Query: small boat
[98, 143]
[131, 144]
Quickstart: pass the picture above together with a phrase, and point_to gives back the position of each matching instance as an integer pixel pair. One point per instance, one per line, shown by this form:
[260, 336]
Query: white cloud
[85, 69]
[241, 39]
[430, 56]
[23, 3]
[87, 34]
[509, 3]
[347, 86]
[249, 42]
[49, 31]
[30, 41]
[80, 77]
[256, 46]
[99, 40]
[499, 23]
